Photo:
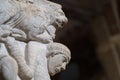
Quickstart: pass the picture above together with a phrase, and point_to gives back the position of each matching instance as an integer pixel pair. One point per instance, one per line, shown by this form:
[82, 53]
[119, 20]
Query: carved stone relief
[27, 49]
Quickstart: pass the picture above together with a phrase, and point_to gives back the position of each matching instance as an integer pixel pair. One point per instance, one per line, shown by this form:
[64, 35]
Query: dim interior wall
[106, 49]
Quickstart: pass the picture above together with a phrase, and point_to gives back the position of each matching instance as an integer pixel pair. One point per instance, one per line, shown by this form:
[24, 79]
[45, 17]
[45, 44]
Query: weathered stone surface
[27, 30]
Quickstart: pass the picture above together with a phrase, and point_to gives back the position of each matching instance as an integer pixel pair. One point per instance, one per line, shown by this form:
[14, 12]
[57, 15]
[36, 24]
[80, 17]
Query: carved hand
[18, 34]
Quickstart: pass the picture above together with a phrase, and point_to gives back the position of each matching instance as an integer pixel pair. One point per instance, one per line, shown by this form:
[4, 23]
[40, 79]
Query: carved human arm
[25, 72]
[36, 57]
[43, 37]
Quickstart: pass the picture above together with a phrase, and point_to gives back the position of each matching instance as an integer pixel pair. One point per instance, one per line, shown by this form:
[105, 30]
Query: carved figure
[47, 65]
[58, 57]
[51, 60]
[28, 21]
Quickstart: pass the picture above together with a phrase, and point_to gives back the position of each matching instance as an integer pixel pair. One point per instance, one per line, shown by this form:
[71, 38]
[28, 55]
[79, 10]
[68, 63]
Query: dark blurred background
[92, 35]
